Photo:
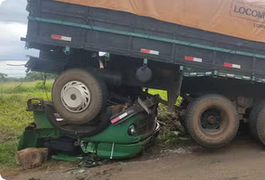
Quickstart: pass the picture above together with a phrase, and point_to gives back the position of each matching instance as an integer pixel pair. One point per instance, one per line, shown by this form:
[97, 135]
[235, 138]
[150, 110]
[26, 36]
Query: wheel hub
[75, 96]
[211, 120]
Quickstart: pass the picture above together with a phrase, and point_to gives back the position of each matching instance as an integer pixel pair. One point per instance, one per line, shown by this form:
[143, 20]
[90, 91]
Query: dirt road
[242, 160]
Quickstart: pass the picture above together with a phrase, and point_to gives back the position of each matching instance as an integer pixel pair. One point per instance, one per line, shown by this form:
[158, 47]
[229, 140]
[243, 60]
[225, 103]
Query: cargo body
[95, 29]
[212, 53]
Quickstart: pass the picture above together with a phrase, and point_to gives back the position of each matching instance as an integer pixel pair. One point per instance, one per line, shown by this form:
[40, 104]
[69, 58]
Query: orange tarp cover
[239, 18]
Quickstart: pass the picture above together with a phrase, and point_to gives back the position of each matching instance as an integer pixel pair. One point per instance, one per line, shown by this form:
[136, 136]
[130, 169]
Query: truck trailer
[211, 53]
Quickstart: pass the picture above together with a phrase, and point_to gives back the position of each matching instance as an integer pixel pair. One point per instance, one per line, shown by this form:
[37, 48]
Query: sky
[13, 25]
[14, 69]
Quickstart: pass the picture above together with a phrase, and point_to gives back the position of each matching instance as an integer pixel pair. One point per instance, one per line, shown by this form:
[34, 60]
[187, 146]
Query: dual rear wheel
[212, 121]
[257, 121]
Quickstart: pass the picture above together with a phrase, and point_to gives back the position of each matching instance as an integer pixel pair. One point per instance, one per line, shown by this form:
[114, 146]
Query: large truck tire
[212, 121]
[79, 96]
[254, 115]
[257, 121]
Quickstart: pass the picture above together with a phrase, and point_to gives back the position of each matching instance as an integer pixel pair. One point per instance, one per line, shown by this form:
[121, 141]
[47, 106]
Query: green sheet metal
[113, 143]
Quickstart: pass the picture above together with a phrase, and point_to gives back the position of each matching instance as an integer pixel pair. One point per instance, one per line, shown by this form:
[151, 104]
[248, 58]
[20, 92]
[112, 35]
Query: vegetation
[13, 115]
[33, 76]
[171, 127]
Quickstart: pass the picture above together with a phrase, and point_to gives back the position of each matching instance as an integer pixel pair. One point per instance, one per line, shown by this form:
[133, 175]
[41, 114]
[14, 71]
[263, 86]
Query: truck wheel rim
[213, 121]
[76, 96]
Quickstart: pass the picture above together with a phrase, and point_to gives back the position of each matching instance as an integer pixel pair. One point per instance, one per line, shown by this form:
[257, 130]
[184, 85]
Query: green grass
[27, 87]
[7, 154]
[14, 117]
[163, 95]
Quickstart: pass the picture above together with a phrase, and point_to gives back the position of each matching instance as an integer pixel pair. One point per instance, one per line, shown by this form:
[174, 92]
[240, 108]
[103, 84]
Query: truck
[211, 53]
